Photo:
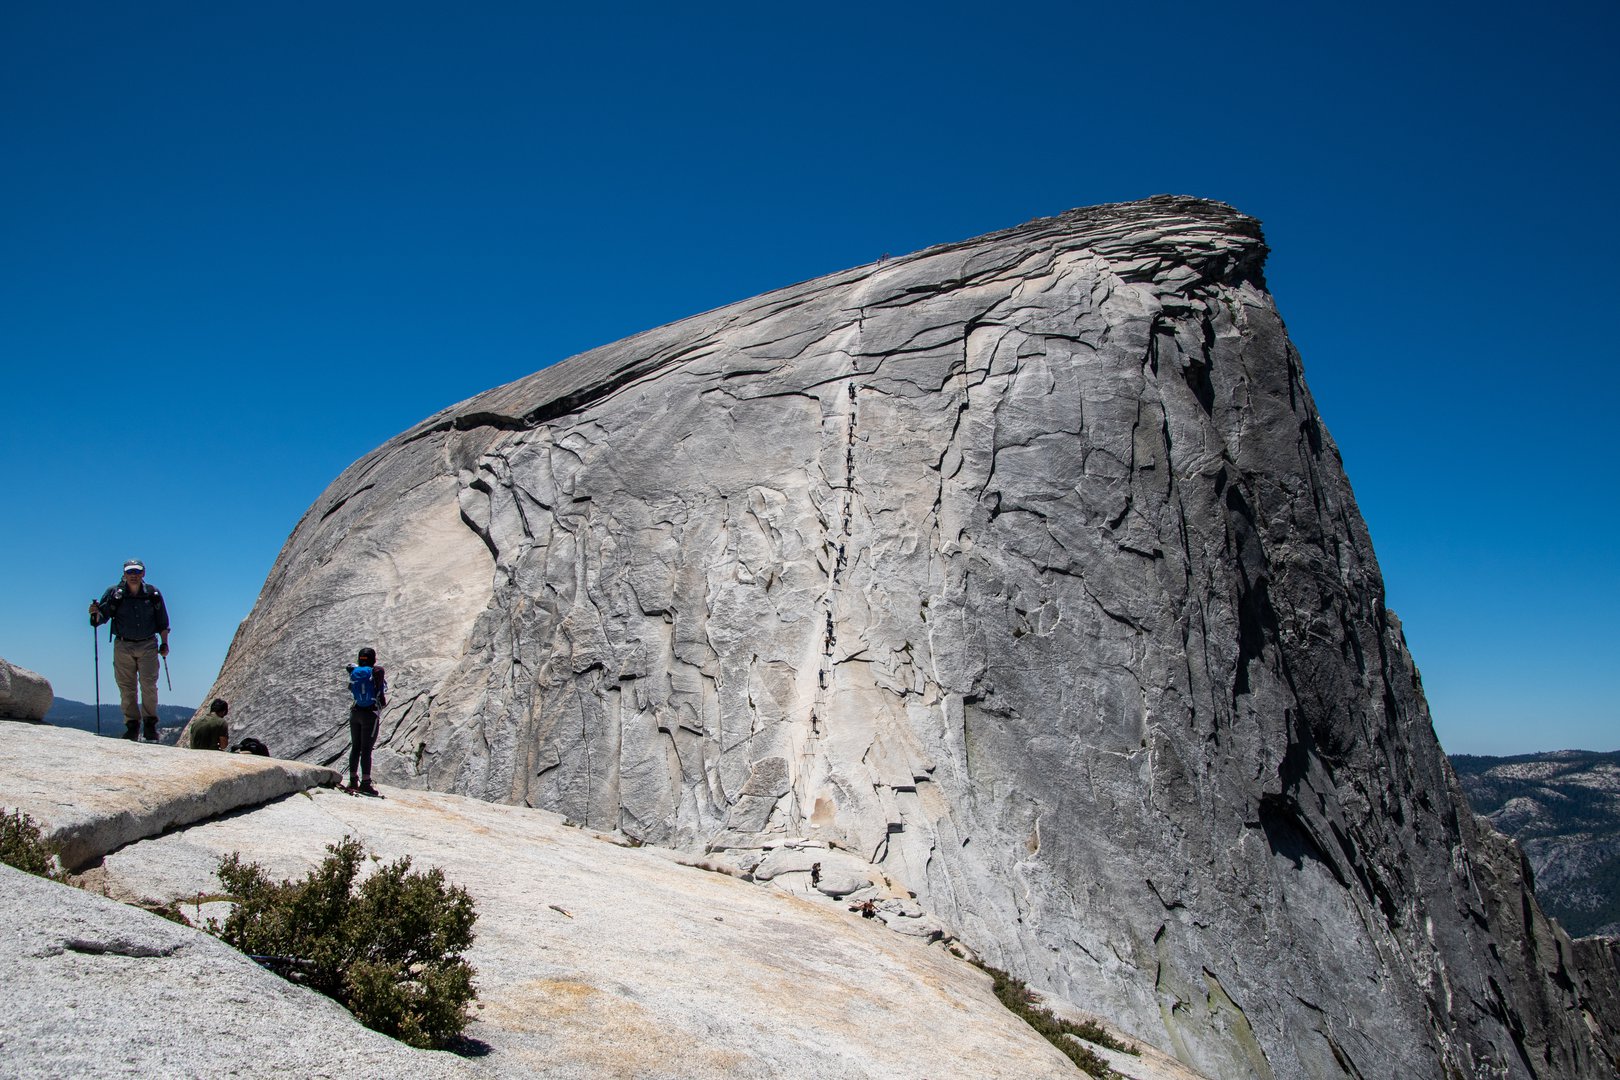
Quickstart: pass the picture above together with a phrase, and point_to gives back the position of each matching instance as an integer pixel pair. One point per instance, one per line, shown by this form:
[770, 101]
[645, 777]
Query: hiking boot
[366, 788]
[150, 724]
[132, 730]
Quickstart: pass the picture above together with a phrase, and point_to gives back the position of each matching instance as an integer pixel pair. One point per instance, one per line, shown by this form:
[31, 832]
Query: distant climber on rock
[140, 630]
[211, 732]
[368, 684]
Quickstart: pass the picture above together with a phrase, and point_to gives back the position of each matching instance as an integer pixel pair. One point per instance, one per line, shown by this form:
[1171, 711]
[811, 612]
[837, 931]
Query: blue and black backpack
[363, 686]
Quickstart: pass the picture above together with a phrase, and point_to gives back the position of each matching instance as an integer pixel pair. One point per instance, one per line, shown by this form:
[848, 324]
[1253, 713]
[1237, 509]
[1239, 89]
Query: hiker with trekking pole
[140, 631]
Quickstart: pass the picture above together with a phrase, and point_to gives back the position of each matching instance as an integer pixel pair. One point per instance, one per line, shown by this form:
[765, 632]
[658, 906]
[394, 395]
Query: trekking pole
[95, 649]
[170, 684]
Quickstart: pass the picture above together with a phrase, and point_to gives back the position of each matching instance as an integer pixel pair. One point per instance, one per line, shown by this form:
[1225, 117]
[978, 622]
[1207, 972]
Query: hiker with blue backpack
[368, 683]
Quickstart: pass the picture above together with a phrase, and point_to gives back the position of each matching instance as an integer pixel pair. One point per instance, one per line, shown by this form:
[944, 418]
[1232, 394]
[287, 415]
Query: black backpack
[148, 596]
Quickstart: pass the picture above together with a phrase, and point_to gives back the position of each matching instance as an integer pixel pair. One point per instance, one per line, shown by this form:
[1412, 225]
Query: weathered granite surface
[1023, 568]
[96, 795]
[94, 988]
[1598, 961]
[594, 959]
[24, 694]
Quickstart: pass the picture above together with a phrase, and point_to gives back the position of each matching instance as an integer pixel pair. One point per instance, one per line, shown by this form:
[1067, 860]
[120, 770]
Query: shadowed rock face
[1023, 568]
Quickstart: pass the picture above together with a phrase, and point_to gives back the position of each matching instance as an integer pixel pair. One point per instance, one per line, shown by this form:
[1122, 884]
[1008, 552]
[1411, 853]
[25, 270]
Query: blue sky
[242, 244]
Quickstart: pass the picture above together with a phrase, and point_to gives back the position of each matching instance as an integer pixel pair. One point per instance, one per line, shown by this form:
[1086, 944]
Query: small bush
[22, 846]
[389, 951]
[1020, 1000]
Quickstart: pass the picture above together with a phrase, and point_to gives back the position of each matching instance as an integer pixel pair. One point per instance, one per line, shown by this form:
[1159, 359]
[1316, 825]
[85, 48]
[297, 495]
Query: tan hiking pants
[136, 662]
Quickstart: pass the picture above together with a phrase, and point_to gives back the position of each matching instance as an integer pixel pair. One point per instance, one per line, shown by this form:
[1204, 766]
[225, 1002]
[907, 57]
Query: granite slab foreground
[593, 959]
[93, 795]
[91, 987]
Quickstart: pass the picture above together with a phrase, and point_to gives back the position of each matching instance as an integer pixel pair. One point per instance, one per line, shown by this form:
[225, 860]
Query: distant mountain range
[1564, 810]
[78, 714]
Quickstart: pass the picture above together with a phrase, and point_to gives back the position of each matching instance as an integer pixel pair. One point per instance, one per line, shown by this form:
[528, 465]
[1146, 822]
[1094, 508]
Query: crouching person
[211, 732]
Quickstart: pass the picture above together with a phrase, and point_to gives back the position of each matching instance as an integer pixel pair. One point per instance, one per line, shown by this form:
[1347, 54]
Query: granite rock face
[595, 959]
[1021, 568]
[24, 694]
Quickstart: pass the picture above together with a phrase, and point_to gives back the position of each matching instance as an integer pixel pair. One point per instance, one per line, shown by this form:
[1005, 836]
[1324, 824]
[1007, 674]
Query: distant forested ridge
[1563, 808]
[78, 714]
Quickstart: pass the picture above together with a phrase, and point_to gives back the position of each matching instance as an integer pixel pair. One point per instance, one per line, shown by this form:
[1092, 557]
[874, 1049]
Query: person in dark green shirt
[211, 733]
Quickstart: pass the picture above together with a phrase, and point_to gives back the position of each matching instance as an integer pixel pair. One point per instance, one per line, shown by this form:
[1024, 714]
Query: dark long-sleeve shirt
[134, 616]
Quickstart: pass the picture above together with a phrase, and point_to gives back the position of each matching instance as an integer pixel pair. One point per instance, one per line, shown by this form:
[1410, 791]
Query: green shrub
[389, 951]
[1021, 1001]
[22, 846]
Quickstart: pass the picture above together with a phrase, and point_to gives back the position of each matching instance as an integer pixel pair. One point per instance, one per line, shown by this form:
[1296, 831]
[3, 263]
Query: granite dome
[1021, 568]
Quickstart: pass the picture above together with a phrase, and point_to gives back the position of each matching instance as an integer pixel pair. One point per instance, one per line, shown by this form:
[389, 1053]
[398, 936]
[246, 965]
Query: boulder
[24, 695]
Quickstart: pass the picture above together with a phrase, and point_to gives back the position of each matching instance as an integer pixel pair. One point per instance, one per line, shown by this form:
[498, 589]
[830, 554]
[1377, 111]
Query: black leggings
[362, 737]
